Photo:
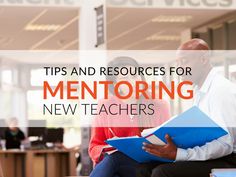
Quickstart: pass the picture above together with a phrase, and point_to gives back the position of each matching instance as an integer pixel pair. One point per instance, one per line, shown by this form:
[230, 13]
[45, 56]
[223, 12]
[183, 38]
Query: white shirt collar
[208, 81]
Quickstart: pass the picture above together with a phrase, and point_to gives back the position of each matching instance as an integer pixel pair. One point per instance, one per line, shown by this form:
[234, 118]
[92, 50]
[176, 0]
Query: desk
[38, 163]
[13, 163]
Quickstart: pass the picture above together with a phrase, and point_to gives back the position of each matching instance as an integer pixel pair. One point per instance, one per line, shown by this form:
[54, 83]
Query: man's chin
[186, 78]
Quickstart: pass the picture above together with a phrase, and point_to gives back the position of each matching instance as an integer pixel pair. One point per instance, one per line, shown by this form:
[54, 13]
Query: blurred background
[126, 28]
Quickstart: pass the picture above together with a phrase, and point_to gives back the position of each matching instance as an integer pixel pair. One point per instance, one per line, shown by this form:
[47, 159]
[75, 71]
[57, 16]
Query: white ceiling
[127, 28]
[14, 19]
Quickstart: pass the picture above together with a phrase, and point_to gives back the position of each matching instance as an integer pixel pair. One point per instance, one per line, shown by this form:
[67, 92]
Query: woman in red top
[121, 125]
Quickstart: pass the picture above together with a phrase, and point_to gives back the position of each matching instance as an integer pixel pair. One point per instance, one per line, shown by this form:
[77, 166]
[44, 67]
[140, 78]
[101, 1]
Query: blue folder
[223, 172]
[189, 129]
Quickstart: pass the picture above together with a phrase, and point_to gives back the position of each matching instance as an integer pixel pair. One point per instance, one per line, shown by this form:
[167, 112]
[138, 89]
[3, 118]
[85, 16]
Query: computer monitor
[2, 128]
[37, 137]
[55, 135]
[37, 128]
[37, 131]
[2, 132]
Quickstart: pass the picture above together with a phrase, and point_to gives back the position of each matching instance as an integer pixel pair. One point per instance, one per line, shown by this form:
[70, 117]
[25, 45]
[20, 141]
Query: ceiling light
[172, 18]
[42, 27]
[163, 38]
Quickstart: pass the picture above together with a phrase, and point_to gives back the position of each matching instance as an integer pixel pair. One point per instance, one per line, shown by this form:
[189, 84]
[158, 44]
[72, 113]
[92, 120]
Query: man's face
[194, 62]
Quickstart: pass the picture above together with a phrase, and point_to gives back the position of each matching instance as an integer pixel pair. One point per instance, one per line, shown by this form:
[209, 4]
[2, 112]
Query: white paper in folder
[155, 140]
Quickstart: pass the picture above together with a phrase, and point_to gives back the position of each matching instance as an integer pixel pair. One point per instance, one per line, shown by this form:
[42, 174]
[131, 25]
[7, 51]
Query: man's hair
[195, 48]
[194, 44]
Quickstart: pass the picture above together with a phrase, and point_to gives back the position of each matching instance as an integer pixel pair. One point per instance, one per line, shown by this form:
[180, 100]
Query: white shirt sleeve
[213, 150]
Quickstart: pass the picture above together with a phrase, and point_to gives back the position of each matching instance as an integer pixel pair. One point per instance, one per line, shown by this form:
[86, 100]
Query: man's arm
[212, 150]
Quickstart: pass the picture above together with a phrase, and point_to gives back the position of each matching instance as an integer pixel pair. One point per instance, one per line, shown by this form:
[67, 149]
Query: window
[37, 76]
[7, 77]
[35, 101]
[232, 73]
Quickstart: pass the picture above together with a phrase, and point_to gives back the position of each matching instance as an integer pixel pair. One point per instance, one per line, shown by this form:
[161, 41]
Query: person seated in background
[13, 134]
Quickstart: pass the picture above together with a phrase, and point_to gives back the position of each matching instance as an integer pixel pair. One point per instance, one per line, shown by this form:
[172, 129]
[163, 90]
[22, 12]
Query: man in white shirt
[216, 96]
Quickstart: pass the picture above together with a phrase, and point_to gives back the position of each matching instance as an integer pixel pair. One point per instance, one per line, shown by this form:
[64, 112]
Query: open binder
[189, 129]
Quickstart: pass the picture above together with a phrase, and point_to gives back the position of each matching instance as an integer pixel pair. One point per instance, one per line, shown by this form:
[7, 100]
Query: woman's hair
[121, 62]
